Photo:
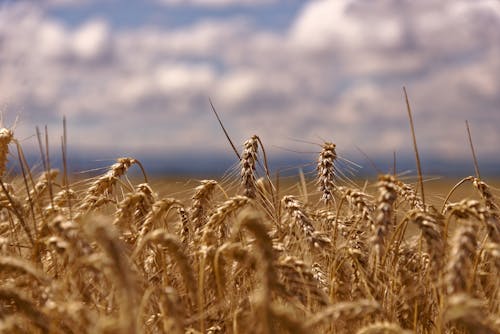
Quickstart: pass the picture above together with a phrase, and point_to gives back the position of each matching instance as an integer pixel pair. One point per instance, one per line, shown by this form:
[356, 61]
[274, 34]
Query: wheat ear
[159, 209]
[343, 311]
[463, 250]
[220, 215]
[6, 136]
[176, 249]
[326, 172]
[103, 186]
[470, 313]
[432, 227]
[247, 164]
[201, 199]
[299, 217]
[253, 222]
[383, 328]
[10, 263]
[108, 239]
[384, 213]
[27, 307]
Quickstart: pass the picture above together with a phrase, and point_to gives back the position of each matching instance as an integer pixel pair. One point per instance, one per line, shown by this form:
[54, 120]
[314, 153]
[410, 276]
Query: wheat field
[248, 253]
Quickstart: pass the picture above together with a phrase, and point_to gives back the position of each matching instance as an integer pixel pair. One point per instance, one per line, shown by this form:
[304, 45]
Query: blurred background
[133, 78]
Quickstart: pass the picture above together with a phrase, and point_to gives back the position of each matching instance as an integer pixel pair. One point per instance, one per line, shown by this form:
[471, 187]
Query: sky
[134, 77]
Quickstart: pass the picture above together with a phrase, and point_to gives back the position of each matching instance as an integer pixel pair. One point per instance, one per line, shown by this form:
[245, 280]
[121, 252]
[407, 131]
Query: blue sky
[133, 14]
[134, 77]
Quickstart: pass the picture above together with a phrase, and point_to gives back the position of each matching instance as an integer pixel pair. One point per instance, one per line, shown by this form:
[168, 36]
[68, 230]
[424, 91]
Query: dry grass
[245, 254]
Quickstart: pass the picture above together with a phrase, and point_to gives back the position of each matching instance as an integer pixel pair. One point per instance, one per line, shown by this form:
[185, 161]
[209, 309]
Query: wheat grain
[300, 218]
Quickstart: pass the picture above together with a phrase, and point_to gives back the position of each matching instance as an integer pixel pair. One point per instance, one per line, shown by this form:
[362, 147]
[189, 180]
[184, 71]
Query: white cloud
[323, 24]
[92, 40]
[181, 79]
[52, 40]
[239, 86]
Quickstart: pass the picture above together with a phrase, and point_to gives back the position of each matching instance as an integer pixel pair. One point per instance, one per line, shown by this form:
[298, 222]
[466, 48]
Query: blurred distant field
[436, 188]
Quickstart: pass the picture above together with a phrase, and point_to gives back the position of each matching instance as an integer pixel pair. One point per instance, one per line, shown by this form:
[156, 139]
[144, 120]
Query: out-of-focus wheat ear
[173, 315]
[222, 212]
[485, 192]
[287, 320]
[326, 173]
[408, 193]
[176, 250]
[300, 280]
[126, 209]
[247, 166]
[468, 210]
[383, 328]
[6, 137]
[28, 308]
[160, 209]
[108, 239]
[10, 263]
[144, 307]
[384, 215]
[145, 205]
[103, 186]
[200, 205]
[470, 313]
[492, 219]
[65, 197]
[432, 227]
[492, 249]
[361, 202]
[218, 267]
[461, 257]
[42, 184]
[234, 251]
[13, 324]
[347, 311]
[252, 221]
[299, 217]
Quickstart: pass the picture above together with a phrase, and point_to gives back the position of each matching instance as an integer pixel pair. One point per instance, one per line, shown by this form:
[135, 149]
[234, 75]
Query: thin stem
[417, 157]
[476, 165]
[224, 129]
